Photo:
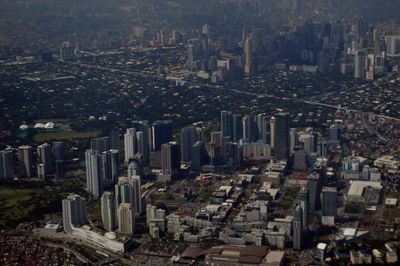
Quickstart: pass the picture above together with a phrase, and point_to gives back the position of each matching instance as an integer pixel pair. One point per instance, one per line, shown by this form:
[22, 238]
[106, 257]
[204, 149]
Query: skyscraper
[298, 228]
[143, 133]
[126, 219]
[314, 189]
[58, 151]
[6, 164]
[262, 127]
[303, 203]
[93, 173]
[108, 211]
[249, 57]
[25, 161]
[67, 51]
[74, 212]
[170, 160]
[360, 65]
[130, 144]
[134, 168]
[197, 156]
[45, 157]
[188, 139]
[280, 135]
[328, 201]
[161, 133]
[135, 183]
[110, 166]
[100, 144]
[227, 124]
[237, 128]
[249, 128]
[115, 138]
[123, 193]
[41, 171]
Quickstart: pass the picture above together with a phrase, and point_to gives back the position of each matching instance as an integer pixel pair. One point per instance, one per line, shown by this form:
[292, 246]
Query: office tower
[45, 157]
[143, 133]
[216, 137]
[126, 219]
[314, 189]
[303, 203]
[249, 57]
[93, 173]
[59, 151]
[135, 183]
[123, 193]
[197, 156]
[134, 168]
[161, 132]
[299, 160]
[60, 169]
[74, 212]
[360, 66]
[262, 127]
[115, 162]
[138, 32]
[109, 171]
[249, 128]
[41, 171]
[67, 51]
[170, 160]
[328, 201]
[293, 139]
[108, 211]
[310, 143]
[280, 135]
[392, 45]
[188, 139]
[130, 144]
[237, 128]
[6, 164]
[190, 63]
[322, 147]
[25, 162]
[100, 144]
[298, 228]
[115, 138]
[334, 133]
[227, 124]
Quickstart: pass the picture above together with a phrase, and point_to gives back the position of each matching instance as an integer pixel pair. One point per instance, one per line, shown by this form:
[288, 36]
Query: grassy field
[41, 137]
[16, 204]
[54, 120]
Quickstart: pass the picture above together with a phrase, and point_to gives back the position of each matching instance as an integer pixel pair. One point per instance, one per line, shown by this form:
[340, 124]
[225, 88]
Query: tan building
[126, 219]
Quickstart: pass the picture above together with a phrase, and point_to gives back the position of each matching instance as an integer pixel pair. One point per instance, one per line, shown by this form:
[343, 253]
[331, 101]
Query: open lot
[65, 135]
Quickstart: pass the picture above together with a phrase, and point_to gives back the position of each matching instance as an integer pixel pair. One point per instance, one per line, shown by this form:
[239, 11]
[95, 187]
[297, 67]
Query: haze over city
[207, 132]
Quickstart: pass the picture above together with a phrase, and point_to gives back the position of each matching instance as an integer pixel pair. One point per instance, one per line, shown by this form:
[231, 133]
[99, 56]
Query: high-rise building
[126, 219]
[130, 144]
[188, 139]
[360, 65]
[170, 160]
[115, 161]
[249, 128]
[328, 201]
[293, 139]
[41, 171]
[134, 168]
[303, 203]
[161, 132]
[108, 211]
[280, 135]
[93, 173]
[249, 67]
[262, 127]
[135, 183]
[216, 137]
[392, 45]
[44, 153]
[310, 143]
[25, 162]
[123, 193]
[100, 144]
[197, 156]
[314, 189]
[227, 124]
[6, 164]
[110, 166]
[334, 133]
[74, 212]
[60, 169]
[298, 228]
[115, 138]
[67, 51]
[237, 128]
[59, 151]
[143, 133]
